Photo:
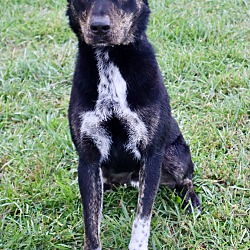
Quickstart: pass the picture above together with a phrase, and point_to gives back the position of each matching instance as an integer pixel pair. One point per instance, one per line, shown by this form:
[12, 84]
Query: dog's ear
[73, 18]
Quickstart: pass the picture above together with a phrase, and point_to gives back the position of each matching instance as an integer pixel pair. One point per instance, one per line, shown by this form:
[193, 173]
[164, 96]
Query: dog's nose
[100, 25]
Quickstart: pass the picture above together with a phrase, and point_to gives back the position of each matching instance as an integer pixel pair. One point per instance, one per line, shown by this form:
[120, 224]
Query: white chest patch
[112, 101]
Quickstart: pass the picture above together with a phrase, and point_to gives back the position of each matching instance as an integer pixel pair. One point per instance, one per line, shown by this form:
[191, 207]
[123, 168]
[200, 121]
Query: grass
[203, 48]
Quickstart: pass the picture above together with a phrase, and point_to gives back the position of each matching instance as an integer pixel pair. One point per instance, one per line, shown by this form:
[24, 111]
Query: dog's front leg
[148, 185]
[91, 188]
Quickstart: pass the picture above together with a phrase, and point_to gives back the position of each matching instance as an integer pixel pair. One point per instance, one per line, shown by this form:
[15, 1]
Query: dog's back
[120, 116]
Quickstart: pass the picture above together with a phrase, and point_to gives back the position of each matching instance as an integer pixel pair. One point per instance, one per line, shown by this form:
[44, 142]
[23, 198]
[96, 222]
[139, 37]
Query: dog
[120, 116]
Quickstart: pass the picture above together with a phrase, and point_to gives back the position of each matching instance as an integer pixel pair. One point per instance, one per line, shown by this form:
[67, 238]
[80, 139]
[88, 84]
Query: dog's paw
[192, 204]
[140, 234]
[87, 248]
[190, 200]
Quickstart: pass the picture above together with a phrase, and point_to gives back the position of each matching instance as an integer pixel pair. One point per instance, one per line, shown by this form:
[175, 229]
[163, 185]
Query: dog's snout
[100, 25]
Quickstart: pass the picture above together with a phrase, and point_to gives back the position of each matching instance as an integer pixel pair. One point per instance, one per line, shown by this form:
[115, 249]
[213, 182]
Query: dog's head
[108, 22]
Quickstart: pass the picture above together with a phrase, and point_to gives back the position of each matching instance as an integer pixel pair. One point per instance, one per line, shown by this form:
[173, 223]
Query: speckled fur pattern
[120, 116]
[112, 101]
[140, 234]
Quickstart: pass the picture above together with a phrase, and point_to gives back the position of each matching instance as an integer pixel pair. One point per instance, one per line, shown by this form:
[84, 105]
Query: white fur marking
[91, 128]
[140, 234]
[135, 184]
[112, 101]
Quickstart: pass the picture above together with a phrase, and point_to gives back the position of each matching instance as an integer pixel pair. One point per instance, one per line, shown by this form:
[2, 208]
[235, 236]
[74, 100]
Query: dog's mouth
[99, 42]
[103, 41]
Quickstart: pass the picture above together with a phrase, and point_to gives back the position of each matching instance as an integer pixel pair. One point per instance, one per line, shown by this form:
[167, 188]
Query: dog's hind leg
[91, 188]
[177, 169]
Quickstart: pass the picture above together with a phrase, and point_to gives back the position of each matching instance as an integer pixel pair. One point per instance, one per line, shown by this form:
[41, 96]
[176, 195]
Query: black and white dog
[120, 117]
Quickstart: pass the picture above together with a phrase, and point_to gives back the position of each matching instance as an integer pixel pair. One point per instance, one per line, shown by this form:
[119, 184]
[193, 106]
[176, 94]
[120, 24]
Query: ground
[203, 48]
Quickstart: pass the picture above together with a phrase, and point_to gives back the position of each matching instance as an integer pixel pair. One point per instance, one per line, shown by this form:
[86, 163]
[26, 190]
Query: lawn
[203, 48]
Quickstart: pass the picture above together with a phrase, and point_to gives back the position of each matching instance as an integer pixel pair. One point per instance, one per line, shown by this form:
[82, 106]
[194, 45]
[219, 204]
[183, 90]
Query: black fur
[164, 157]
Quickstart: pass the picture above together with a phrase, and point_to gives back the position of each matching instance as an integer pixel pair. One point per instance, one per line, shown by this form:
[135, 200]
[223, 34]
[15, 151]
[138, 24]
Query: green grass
[203, 48]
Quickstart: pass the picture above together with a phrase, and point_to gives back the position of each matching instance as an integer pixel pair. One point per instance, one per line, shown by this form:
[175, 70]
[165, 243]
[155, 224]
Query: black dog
[120, 117]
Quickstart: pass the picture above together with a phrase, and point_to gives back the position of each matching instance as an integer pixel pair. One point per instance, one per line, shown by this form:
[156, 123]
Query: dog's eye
[80, 5]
